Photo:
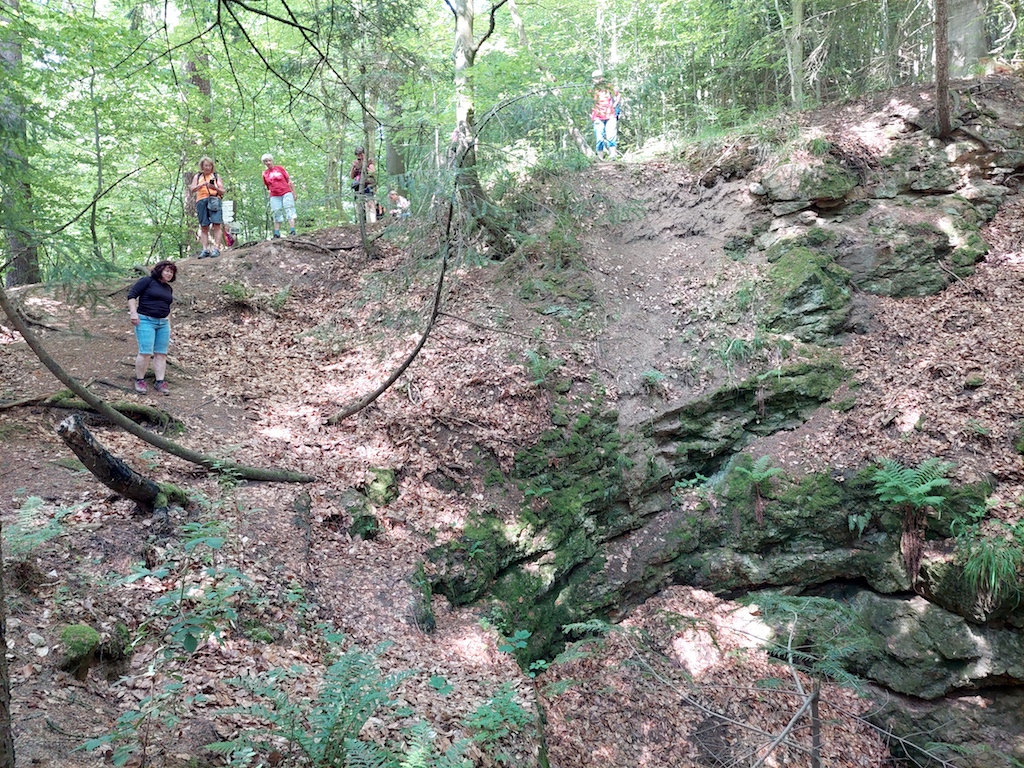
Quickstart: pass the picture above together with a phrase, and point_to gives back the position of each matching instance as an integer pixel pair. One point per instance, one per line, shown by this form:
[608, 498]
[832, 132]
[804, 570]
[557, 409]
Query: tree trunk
[942, 69]
[794, 42]
[107, 468]
[966, 19]
[478, 206]
[16, 206]
[6, 734]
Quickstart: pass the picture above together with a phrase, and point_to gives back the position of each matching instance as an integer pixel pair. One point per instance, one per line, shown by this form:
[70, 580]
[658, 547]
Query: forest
[707, 453]
[108, 107]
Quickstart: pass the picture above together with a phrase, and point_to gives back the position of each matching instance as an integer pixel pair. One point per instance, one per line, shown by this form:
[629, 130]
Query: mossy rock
[81, 643]
[822, 180]
[700, 437]
[811, 294]
[383, 488]
[365, 526]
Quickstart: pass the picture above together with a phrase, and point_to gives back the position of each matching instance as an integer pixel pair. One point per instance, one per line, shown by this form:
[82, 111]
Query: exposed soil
[271, 339]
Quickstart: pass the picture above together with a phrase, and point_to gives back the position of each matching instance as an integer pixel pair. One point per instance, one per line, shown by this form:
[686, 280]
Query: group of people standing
[150, 298]
[208, 190]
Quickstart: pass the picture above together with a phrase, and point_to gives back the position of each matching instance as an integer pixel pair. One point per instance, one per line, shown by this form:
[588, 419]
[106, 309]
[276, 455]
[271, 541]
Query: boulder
[819, 181]
[929, 652]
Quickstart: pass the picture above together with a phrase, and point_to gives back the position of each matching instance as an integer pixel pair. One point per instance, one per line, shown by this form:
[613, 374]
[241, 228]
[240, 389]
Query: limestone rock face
[824, 181]
[928, 652]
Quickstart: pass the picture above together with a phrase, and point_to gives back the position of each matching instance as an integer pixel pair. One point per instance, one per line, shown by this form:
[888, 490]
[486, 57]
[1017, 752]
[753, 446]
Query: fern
[917, 487]
[914, 491]
[325, 729]
[759, 475]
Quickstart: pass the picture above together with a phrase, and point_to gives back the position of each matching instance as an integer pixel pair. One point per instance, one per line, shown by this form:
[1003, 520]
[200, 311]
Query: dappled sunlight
[474, 646]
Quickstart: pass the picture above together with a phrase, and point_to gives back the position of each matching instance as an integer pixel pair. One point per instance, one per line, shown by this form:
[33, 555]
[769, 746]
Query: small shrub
[991, 565]
[653, 381]
[499, 718]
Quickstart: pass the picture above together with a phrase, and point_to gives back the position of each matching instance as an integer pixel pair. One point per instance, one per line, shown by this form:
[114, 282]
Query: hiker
[399, 205]
[364, 181]
[209, 192]
[282, 196]
[605, 116]
[149, 307]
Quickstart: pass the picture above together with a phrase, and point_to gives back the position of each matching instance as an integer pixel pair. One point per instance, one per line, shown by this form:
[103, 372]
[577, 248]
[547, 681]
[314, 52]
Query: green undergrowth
[572, 486]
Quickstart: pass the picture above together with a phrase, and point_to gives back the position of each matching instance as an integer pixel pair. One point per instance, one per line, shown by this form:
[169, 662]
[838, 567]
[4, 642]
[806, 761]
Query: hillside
[645, 307]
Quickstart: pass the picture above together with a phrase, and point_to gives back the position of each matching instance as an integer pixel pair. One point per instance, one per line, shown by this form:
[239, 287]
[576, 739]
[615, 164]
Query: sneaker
[204, 254]
[214, 253]
[277, 235]
[162, 388]
[291, 231]
[140, 386]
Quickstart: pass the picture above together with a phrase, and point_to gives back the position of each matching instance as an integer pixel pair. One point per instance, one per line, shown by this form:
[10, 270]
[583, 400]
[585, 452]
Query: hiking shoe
[291, 231]
[204, 254]
[140, 386]
[277, 235]
[214, 253]
[162, 388]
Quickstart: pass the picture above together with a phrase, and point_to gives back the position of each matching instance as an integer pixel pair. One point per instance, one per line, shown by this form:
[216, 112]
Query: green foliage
[206, 593]
[917, 487]
[759, 474]
[135, 731]
[818, 635]
[819, 147]
[858, 521]
[991, 558]
[34, 527]
[653, 381]
[500, 717]
[541, 366]
[325, 729]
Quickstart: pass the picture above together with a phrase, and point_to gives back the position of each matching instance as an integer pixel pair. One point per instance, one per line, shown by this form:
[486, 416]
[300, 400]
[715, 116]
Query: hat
[597, 74]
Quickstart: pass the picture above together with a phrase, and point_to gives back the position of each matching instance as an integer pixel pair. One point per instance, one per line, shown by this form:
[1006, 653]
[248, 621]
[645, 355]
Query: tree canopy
[108, 106]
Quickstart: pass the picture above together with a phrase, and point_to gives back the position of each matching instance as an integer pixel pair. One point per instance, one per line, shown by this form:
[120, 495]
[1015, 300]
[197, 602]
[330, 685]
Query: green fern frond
[917, 487]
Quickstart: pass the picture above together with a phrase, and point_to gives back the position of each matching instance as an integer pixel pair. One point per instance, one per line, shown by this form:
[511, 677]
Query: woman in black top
[149, 307]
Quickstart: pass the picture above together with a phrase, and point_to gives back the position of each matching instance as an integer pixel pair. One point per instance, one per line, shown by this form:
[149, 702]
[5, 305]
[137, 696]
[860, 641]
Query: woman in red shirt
[282, 196]
[605, 116]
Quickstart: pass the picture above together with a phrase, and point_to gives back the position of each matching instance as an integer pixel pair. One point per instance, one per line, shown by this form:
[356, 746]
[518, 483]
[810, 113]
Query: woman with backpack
[209, 193]
[605, 115]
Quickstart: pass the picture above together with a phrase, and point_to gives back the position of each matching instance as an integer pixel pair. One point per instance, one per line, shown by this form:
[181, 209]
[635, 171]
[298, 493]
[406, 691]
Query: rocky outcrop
[928, 652]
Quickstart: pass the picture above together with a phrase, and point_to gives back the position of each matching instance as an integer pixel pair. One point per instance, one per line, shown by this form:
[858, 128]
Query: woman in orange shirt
[207, 187]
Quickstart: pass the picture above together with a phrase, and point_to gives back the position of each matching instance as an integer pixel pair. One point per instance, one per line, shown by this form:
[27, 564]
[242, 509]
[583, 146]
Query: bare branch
[102, 194]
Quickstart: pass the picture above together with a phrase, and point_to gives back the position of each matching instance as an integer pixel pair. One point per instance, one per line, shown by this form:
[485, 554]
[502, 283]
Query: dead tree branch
[111, 470]
[357, 406]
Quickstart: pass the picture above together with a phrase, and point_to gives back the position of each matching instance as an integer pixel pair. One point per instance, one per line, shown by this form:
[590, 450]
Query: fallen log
[113, 472]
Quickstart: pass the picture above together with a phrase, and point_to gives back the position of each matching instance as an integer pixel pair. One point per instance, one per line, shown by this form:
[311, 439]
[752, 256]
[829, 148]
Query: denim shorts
[206, 218]
[153, 335]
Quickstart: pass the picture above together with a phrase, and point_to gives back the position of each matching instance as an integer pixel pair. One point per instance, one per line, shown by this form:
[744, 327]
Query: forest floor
[273, 338]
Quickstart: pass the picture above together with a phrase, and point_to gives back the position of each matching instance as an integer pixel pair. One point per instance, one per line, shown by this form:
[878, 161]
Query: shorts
[205, 217]
[153, 335]
[283, 207]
